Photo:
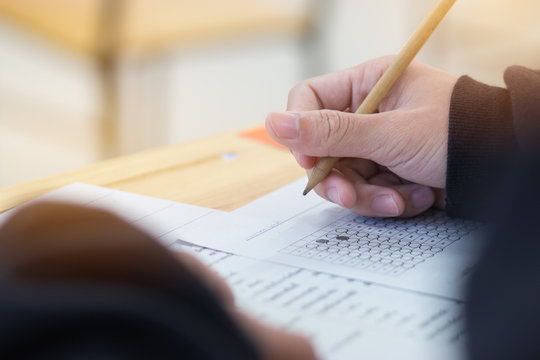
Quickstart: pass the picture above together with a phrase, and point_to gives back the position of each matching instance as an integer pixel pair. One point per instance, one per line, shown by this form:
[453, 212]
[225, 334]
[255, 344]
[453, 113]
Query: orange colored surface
[260, 134]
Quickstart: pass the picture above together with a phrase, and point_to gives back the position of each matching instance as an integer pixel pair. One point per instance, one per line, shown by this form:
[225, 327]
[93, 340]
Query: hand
[394, 161]
[273, 344]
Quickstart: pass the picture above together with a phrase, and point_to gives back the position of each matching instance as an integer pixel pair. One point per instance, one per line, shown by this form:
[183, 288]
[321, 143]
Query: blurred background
[83, 80]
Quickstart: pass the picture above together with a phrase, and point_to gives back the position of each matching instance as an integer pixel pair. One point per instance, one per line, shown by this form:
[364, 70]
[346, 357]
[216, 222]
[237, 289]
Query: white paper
[158, 217]
[431, 254]
[344, 317]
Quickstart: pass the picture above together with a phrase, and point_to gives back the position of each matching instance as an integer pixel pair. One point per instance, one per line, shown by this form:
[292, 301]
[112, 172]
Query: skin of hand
[393, 162]
[273, 344]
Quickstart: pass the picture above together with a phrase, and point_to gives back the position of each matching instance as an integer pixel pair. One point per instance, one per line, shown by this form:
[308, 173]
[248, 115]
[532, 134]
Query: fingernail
[284, 124]
[385, 205]
[333, 195]
[422, 198]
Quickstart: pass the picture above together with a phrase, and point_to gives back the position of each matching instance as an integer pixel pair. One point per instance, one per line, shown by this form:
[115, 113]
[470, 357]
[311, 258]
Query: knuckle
[335, 126]
[296, 92]
[306, 95]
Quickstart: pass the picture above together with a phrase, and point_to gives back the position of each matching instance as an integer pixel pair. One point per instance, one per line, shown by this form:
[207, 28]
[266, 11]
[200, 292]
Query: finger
[333, 133]
[371, 199]
[340, 186]
[392, 201]
[366, 169]
[212, 280]
[385, 178]
[417, 198]
[305, 161]
[337, 188]
[338, 90]
[377, 201]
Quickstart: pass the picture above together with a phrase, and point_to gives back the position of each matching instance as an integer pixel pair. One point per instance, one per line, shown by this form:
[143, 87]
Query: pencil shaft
[387, 80]
[404, 58]
[320, 172]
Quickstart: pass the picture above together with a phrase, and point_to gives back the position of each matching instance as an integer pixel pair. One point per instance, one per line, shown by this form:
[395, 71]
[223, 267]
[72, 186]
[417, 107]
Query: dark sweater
[489, 128]
[494, 173]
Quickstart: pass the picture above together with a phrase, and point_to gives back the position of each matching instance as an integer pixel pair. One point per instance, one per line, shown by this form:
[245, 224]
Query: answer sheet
[346, 318]
[430, 254]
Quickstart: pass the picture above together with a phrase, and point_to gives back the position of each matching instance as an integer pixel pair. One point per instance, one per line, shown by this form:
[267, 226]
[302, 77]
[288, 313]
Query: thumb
[329, 133]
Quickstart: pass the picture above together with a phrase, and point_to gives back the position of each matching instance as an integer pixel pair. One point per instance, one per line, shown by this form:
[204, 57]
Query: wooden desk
[204, 172]
[146, 26]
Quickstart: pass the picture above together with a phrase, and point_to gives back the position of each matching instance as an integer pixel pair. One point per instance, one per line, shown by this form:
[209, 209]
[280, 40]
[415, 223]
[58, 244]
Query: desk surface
[222, 172]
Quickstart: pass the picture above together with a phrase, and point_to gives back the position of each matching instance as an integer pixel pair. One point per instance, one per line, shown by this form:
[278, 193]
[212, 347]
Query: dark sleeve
[494, 170]
[488, 127]
[503, 295]
[77, 283]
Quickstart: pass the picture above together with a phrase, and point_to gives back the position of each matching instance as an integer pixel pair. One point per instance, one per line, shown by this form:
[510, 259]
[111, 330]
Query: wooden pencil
[387, 80]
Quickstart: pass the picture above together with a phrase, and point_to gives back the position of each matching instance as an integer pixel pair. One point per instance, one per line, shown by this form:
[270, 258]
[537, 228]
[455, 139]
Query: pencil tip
[305, 192]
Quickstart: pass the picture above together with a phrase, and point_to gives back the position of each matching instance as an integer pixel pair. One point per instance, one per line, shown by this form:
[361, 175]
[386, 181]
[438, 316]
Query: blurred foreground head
[81, 283]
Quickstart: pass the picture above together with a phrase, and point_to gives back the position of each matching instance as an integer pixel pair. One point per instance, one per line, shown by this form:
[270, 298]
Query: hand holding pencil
[394, 161]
